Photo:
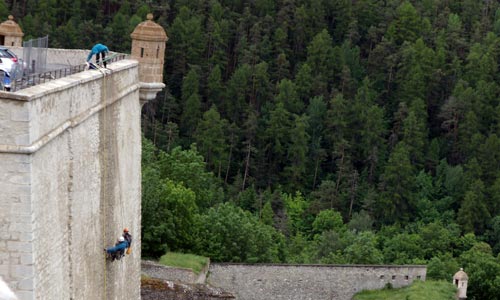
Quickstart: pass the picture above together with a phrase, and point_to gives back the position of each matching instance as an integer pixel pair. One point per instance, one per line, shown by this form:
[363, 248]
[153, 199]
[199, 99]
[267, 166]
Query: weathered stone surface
[71, 184]
[155, 289]
[308, 282]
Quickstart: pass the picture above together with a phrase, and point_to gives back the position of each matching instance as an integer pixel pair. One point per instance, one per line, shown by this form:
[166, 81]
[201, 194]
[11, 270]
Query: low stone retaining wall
[308, 282]
[156, 270]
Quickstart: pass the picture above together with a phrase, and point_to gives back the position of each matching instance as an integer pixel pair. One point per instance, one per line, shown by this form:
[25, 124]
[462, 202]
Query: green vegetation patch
[419, 290]
[182, 260]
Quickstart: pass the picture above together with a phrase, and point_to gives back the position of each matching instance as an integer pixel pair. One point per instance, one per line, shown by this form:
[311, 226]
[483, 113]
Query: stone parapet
[303, 282]
[156, 270]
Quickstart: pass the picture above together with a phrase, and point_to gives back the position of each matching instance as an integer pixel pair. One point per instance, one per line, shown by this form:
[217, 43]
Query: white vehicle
[5, 292]
[8, 61]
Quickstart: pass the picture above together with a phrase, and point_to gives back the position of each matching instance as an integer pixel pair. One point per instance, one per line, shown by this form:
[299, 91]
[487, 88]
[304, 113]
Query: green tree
[363, 249]
[319, 58]
[297, 153]
[211, 139]
[119, 39]
[442, 267]
[218, 29]
[277, 136]
[328, 219]
[396, 200]
[437, 239]
[403, 248]
[267, 214]
[415, 132]
[316, 112]
[407, 26]
[191, 113]
[489, 158]
[238, 88]
[296, 207]
[261, 86]
[168, 211]
[473, 214]
[188, 167]
[287, 95]
[360, 221]
[299, 250]
[4, 11]
[483, 270]
[229, 234]
[188, 43]
[215, 87]
[304, 82]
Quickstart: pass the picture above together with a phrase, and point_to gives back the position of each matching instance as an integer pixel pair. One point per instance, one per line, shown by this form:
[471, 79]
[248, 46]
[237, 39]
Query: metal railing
[38, 78]
[35, 54]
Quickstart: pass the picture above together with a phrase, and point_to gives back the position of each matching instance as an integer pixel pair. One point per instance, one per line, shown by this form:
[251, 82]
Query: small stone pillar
[148, 47]
[10, 33]
[460, 281]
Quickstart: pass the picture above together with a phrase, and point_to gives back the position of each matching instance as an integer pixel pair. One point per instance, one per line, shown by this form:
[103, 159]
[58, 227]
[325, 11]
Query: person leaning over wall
[98, 50]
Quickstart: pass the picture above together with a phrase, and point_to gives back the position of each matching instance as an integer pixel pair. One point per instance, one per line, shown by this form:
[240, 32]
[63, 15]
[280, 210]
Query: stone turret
[148, 47]
[460, 281]
[10, 33]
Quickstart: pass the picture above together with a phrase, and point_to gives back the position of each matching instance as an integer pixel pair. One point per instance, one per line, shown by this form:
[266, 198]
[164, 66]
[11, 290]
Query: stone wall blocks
[19, 227]
[15, 246]
[21, 115]
[20, 209]
[22, 139]
[4, 256]
[27, 259]
[19, 178]
[24, 236]
[4, 270]
[25, 284]
[25, 295]
[21, 272]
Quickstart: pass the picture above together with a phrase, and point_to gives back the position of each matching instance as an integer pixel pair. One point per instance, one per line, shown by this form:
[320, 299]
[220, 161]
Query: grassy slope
[189, 261]
[419, 290]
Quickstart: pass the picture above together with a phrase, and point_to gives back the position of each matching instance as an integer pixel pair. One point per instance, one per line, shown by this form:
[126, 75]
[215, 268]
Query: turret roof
[149, 31]
[10, 28]
[461, 275]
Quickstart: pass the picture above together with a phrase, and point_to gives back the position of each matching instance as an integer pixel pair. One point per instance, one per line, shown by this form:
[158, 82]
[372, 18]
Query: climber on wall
[98, 50]
[118, 251]
[128, 237]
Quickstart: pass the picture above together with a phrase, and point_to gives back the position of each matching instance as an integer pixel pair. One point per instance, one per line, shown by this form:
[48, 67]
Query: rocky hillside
[156, 289]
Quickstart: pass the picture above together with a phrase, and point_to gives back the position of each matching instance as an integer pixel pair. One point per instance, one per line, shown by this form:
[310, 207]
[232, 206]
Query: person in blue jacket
[98, 50]
[118, 251]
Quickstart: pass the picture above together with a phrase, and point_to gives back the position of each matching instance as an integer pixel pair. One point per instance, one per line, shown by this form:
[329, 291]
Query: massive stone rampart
[70, 182]
[308, 282]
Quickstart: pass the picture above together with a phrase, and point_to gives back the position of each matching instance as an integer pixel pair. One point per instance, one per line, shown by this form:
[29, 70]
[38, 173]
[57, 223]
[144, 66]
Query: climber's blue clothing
[120, 246]
[98, 48]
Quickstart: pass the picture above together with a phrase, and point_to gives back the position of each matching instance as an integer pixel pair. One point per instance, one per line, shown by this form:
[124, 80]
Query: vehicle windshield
[4, 52]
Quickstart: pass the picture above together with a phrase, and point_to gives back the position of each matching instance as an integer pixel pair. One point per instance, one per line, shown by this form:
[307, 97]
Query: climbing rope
[103, 192]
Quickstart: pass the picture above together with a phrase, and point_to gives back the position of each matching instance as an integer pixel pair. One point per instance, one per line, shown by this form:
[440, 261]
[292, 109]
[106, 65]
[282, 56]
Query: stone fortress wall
[70, 182]
[308, 282]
